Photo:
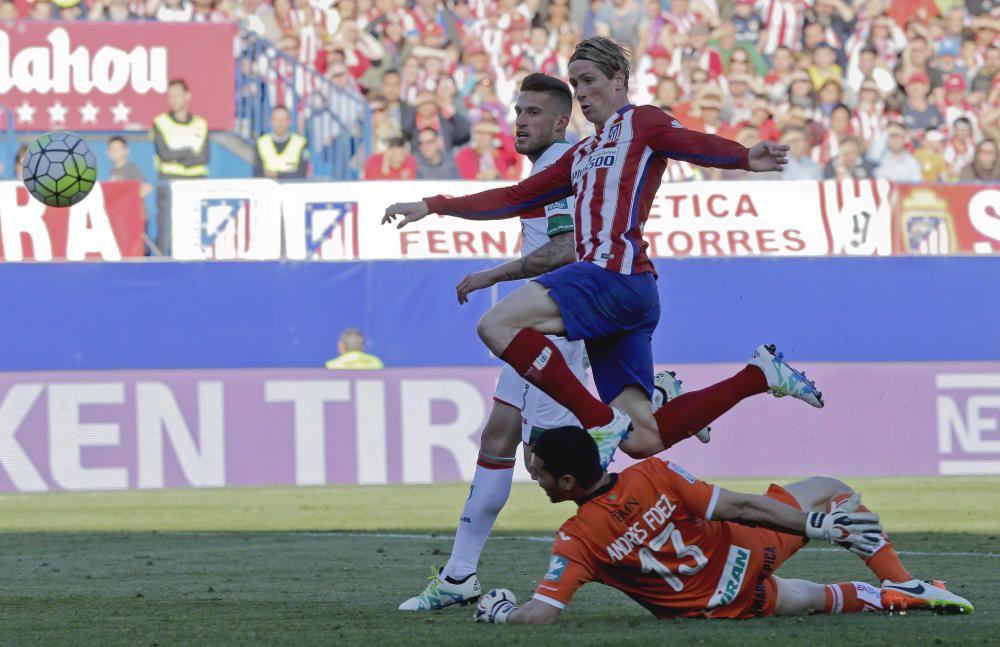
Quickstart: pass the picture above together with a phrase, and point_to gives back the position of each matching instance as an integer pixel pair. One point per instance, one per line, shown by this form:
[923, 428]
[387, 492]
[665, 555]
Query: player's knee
[819, 490]
[642, 443]
[486, 327]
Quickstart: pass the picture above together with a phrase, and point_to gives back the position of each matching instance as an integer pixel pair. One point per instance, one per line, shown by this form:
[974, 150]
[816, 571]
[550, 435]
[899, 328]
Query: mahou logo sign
[102, 76]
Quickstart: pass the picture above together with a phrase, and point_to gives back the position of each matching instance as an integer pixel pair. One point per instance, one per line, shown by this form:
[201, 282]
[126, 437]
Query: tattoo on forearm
[546, 258]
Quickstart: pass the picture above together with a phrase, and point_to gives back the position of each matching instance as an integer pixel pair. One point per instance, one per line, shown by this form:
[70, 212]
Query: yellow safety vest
[193, 135]
[355, 360]
[288, 160]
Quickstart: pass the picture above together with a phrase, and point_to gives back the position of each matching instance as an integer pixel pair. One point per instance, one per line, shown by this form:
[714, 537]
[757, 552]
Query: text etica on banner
[342, 220]
[106, 225]
[109, 76]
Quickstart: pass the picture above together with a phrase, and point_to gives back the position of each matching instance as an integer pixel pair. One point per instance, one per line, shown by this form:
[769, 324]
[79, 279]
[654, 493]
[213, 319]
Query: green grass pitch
[327, 566]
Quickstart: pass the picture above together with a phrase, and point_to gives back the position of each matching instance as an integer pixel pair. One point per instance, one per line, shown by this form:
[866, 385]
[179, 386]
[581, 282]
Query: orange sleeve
[698, 496]
[568, 571]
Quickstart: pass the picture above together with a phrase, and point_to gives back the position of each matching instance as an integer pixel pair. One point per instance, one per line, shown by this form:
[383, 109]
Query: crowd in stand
[907, 90]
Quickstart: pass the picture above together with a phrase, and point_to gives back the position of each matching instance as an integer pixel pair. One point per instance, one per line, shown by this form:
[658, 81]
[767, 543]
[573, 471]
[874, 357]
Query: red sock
[538, 360]
[851, 597]
[885, 563]
[691, 412]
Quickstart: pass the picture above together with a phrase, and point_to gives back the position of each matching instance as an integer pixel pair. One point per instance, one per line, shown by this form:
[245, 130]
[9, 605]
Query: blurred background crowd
[907, 90]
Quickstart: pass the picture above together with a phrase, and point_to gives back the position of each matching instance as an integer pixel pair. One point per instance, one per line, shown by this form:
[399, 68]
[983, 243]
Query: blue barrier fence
[57, 316]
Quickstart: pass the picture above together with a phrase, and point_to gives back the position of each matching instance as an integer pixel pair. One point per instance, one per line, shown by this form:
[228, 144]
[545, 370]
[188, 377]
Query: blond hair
[605, 53]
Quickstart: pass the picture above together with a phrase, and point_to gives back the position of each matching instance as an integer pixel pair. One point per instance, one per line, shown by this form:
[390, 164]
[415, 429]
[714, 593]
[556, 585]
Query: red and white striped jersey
[614, 175]
[783, 23]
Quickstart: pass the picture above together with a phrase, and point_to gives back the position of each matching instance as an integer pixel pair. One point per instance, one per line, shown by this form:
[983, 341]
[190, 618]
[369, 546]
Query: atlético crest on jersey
[615, 131]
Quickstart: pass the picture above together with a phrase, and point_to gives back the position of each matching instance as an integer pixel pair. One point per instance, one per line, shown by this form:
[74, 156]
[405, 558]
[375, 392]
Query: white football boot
[666, 387]
[920, 594]
[782, 379]
[441, 593]
[609, 436]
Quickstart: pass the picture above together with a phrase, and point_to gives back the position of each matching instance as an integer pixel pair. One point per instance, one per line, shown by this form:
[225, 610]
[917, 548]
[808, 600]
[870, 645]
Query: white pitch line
[548, 540]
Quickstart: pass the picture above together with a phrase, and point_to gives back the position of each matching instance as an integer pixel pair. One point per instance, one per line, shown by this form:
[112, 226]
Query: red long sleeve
[548, 186]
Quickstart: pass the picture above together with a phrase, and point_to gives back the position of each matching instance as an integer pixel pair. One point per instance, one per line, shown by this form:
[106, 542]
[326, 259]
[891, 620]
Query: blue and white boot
[440, 593]
[609, 436]
[782, 379]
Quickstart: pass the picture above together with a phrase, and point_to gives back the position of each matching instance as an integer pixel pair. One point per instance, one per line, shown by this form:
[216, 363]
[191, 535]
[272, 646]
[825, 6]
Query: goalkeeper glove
[859, 532]
[495, 606]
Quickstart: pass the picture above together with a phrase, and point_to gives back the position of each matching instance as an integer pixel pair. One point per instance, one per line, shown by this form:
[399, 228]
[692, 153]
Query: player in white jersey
[547, 242]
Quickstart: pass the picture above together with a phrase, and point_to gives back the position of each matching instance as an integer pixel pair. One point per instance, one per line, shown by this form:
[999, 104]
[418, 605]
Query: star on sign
[25, 112]
[88, 113]
[57, 113]
[120, 112]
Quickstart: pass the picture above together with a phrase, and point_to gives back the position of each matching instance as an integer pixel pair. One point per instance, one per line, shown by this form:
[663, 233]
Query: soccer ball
[59, 169]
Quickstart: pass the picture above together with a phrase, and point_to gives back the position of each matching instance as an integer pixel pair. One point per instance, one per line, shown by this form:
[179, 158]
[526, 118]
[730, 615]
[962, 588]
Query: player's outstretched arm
[850, 528]
[559, 251]
[669, 138]
[496, 204]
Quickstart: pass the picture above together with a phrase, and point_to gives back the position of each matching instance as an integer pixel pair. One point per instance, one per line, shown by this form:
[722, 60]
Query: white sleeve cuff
[547, 600]
[711, 503]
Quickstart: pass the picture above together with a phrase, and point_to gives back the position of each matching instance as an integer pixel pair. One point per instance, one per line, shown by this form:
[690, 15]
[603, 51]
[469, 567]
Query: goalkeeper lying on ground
[682, 547]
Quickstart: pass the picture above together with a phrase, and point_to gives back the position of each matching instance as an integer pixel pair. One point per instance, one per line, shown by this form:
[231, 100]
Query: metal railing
[335, 121]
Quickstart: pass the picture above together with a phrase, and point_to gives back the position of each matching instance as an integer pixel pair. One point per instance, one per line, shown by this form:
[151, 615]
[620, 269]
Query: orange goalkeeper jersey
[649, 534]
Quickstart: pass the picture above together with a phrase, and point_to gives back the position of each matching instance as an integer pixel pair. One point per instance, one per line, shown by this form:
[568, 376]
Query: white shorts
[538, 410]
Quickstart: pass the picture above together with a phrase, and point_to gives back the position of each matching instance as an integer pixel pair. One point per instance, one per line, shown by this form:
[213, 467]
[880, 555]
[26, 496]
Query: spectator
[897, 164]
[257, 16]
[281, 153]
[351, 354]
[42, 10]
[389, 90]
[800, 91]
[170, 10]
[849, 162]
[918, 114]
[985, 167]
[708, 57]
[182, 151]
[989, 71]
[778, 79]
[824, 67]
[960, 149]
[864, 67]
[800, 165]
[869, 120]
[110, 10]
[834, 136]
[914, 61]
[8, 10]
[430, 112]
[747, 23]
[619, 20]
[955, 105]
[396, 163]
[931, 161]
[667, 94]
[122, 168]
[434, 160]
[483, 159]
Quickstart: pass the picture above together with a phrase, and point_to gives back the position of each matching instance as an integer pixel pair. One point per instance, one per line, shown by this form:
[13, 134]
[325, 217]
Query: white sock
[487, 496]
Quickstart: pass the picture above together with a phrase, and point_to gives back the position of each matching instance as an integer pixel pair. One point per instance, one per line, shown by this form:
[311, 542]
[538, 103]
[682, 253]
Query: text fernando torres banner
[113, 76]
[342, 221]
[110, 430]
[106, 225]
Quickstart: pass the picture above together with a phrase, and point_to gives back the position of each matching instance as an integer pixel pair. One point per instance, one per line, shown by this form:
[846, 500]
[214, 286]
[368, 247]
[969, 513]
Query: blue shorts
[616, 315]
